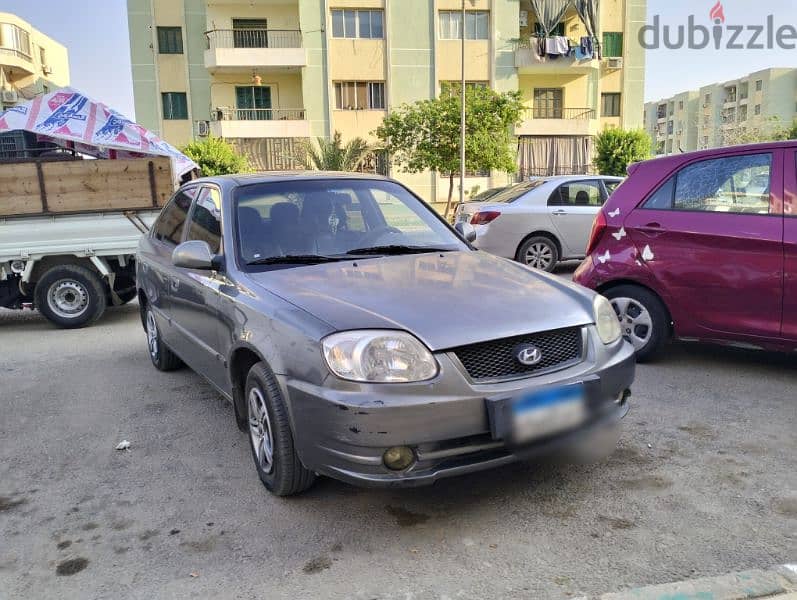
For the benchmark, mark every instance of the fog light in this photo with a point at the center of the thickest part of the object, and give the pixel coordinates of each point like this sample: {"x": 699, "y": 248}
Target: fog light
{"x": 398, "y": 458}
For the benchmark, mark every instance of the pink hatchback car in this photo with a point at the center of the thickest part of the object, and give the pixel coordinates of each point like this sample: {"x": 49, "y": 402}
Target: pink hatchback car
{"x": 702, "y": 246}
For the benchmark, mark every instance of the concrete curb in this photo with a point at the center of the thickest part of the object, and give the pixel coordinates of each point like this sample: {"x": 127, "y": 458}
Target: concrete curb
{"x": 779, "y": 582}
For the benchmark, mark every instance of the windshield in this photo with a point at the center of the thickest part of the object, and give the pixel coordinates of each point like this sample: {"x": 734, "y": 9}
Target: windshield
{"x": 320, "y": 220}
{"x": 513, "y": 192}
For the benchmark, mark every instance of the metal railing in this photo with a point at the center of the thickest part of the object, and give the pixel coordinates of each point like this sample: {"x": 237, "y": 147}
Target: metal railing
{"x": 253, "y": 38}
{"x": 546, "y": 112}
{"x": 17, "y": 53}
{"x": 524, "y": 174}
{"x": 258, "y": 114}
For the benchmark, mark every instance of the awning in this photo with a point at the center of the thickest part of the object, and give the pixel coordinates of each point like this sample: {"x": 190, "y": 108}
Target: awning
{"x": 69, "y": 118}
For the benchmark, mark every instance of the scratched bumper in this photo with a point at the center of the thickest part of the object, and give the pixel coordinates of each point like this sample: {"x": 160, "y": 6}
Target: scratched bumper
{"x": 342, "y": 429}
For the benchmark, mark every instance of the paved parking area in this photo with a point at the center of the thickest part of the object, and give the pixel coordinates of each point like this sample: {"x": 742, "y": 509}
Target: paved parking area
{"x": 703, "y": 483}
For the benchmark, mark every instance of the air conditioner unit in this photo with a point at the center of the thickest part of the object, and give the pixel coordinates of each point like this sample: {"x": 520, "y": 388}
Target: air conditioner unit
{"x": 203, "y": 128}
{"x": 614, "y": 63}
{"x": 9, "y": 96}
{"x": 47, "y": 69}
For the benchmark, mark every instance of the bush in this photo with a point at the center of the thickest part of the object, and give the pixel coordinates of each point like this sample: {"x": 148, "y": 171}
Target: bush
{"x": 216, "y": 156}
{"x": 618, "y": 148}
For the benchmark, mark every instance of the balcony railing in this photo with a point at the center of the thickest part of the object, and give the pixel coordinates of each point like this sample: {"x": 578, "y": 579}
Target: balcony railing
{"x": 253, "y": 38}
{"x": 258, "y": 114}
{"x": 576, "y": 114}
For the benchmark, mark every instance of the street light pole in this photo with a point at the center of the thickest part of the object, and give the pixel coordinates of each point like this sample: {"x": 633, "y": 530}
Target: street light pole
{"x": 462, "y": 114}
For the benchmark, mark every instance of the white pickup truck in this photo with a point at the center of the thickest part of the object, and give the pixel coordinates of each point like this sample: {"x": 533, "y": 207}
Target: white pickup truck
{"x": 69, "y": 232}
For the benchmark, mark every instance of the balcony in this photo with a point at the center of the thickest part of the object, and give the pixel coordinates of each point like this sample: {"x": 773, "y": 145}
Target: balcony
{"x": 259, "y": 123}
{"x": 527, "y": 61}
{"x": 558, "y": 121}
{"x": 15, "y": 50}
{"x": 241, "y": 49}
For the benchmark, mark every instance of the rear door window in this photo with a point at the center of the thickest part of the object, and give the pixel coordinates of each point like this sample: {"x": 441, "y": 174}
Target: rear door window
{"x": 171, "y": 222}
{"x": 734, "y": 184}
{"x": 577, "y": 193}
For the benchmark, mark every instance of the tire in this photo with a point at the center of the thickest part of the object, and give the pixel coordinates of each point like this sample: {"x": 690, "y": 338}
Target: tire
{"x": 539, "y": 252}
{"x": 270, "y": 436}
{"x": 70, "y": 296}
{"x": 644, "y": 319}
{"x": 159, "y": 353}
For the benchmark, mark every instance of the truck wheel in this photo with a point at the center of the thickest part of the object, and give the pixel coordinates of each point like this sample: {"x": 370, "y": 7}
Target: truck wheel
{"x": 270, "y": 436}
{"x": 70, "y": 296}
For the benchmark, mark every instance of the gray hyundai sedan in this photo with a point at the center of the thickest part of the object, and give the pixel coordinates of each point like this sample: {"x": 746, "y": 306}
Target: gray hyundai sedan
{"x": 358, "y": 336}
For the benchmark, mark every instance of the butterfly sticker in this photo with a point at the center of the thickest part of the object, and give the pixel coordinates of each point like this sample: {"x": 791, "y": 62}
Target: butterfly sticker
{"x": 647, "y": 253}
{"x": 605, "y": 258}
{"x": 614, "y": 213}
{"x": 620, "y": 234}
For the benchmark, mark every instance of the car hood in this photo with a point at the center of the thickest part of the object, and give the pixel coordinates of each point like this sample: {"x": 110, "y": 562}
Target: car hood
{"x": 445, "y": 299}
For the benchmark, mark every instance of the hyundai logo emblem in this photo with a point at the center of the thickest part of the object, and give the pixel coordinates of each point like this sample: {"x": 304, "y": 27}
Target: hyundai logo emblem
{"x": 528, "y": 354}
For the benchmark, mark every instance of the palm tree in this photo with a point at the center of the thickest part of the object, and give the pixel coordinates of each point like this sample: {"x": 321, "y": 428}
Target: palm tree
{"x": 333, "y": 155}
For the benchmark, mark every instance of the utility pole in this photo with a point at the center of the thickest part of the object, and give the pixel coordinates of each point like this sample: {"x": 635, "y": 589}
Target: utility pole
{"x": 462, "y": 115}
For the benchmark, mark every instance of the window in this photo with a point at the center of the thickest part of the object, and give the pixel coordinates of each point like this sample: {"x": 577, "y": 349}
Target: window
{"x": 757, "y": 109}
{"x": 205, "y": 222}
{"x": 680, "y": 105}
{"x": 175, "y": 105}
{"x": 250, "y": 33}
{"x": 452, "y": 88}
{"x": 253, "y": 102}
{"x": 559, "y": 30}
{"x": 744, "y": 90}
{"x": 548, "y": 103}
{"x": 359, "y": 95}
{"x": 351, "y": 23}
{"x": 735, "y": 184}
{"x": 577, "y": 193}
{"x": 707, "y": 99}
{"x": 670, "y": 128}
{"x": 610, "y": 105}
{"x": 612, "y": 44}
{"x": 15, "y": 38}
{"x": 759, "y": 85}
{"x": 171, "y": 222}
{"x": 170, "y": 40}
{"x": 477, "y": 24}
{"x": 611, "y": 185}
{"x": 743, "y": 112}
{"x": 42, "y": 56}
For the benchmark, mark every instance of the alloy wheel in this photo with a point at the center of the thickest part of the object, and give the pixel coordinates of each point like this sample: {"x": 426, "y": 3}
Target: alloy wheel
{"x": 260, "y": 430}
{"x": 635, "y": 321}
{"x": 152, "y": 335}
{"x": 540, "y": 256}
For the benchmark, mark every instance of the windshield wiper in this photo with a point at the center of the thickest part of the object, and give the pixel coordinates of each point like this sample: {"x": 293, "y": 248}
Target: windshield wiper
{"x": 397, "y": 249}
{"x": 298, "y": 259}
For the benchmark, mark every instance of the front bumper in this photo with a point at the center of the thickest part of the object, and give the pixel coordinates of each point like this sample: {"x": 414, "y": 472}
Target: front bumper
{"x": 342, "y": 432}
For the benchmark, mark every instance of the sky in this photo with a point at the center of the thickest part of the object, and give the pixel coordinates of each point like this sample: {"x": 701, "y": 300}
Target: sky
{"x": 95, "y": 33}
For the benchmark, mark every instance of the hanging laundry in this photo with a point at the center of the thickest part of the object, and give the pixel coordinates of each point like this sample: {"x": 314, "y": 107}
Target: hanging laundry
{"x": 557, "y": 46}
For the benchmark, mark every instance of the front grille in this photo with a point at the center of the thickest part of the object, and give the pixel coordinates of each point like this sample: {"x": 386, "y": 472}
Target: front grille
{"x": 496, "y": 360}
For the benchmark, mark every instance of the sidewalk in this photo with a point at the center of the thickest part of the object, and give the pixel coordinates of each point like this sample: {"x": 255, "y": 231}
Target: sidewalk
{"x": 777, "y": 583}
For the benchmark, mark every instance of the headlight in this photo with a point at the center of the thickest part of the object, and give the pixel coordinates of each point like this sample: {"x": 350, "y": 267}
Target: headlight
{"x": 378, "y": 357}
{"x": 606, "y": 321}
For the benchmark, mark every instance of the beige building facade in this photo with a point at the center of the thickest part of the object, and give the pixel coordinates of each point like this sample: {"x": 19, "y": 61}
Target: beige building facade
{"x": 268, "y": 73}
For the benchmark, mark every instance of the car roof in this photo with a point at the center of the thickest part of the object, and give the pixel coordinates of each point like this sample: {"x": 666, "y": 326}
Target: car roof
{"x": 717, "y": 152}
{"x": 563, "y": 178}
{"x": 276, "y": 176}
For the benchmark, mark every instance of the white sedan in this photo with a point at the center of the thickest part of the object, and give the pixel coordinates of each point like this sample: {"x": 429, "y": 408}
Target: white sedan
{"x": 539, "y": 222}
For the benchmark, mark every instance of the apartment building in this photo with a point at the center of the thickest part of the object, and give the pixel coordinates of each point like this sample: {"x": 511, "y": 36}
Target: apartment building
{"x": 721, "y": 114}
{"x": 268, "y": 73}
{"x": 30, "y": 62}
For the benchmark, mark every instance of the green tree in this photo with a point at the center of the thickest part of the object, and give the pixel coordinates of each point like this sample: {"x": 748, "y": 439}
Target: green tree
{"x": 615, "y": 149}
{"x": 425, "y": 135}
{"x": 791, "y": 132}
{"x": 334, "y": 155}
{"x": 216, "y": 156}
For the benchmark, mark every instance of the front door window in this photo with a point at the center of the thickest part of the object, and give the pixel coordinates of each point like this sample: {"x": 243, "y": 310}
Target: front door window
{"x": 249, "y": 33}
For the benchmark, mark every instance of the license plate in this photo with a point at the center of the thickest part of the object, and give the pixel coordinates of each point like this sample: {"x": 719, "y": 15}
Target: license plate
{"x": 463, "y": 217}
{"x": 547, "y": 412}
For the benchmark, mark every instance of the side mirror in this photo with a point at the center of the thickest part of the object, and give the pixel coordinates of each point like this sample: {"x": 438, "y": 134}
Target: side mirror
{"x": 466, "y": 231}
{"x": 193, "y": 255}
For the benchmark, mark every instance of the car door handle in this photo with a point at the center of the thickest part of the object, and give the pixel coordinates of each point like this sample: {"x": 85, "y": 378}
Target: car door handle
{"x": 652, "y": 225}
{"x": 652, "y": 229}
{"x": 559, "y": 212}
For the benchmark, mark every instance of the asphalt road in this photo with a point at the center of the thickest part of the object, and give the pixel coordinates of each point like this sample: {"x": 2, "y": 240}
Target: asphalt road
{"x": 703, "y": 483}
